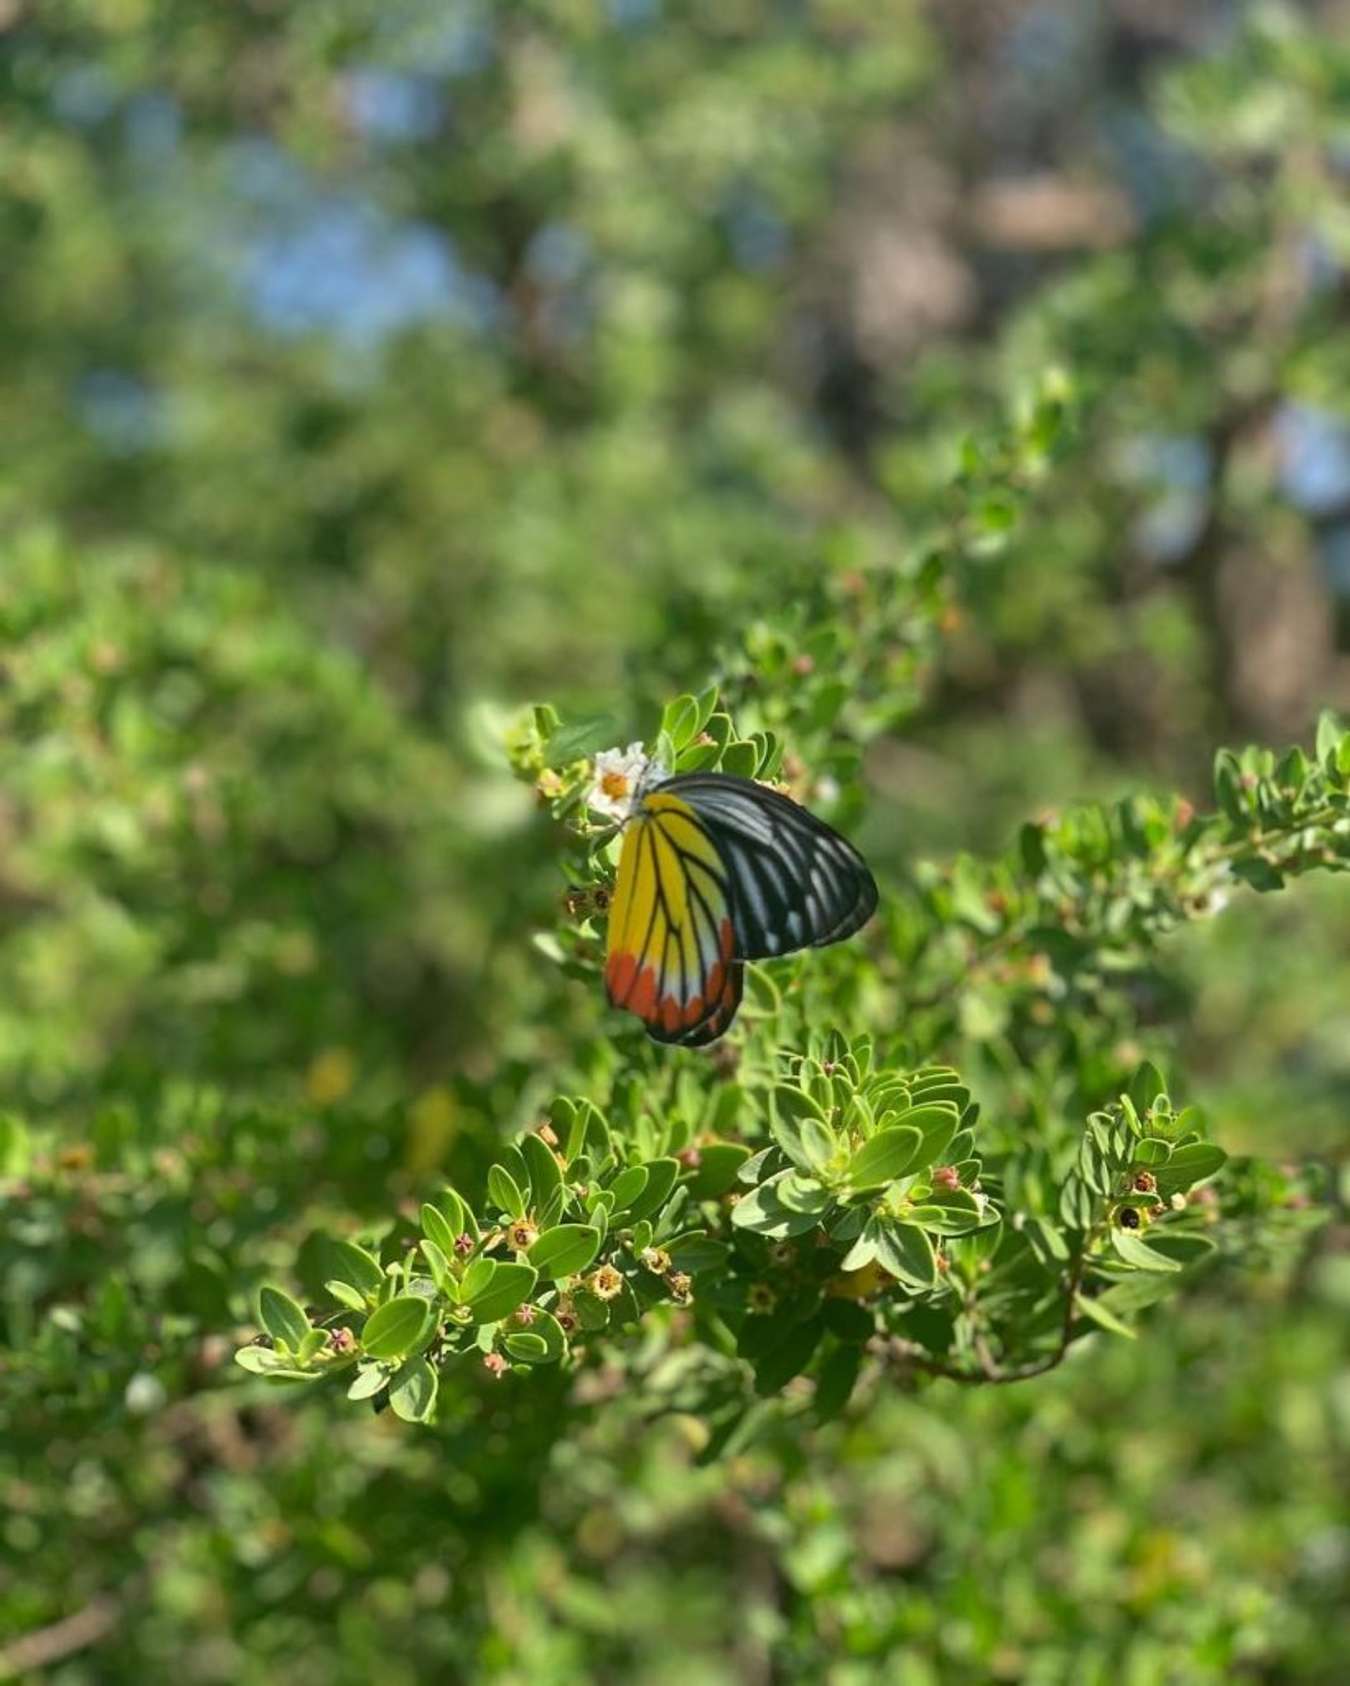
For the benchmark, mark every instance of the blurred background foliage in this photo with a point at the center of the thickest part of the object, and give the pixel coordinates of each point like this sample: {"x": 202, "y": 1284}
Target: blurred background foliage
{"x": 367, "y": 371}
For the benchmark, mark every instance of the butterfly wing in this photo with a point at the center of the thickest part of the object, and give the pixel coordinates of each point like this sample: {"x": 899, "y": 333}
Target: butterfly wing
{"x": 671, "y": 951}
{"x": 792, "y": 881}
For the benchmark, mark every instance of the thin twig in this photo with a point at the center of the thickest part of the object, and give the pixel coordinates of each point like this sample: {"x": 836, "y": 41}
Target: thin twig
{"x": 46, "y": 1645}
{"x": 991, "y": 1372}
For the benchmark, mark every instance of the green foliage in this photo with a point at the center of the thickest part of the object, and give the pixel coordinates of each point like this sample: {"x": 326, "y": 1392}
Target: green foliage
{"x": 854, "y": 1178}
{"x": 550, "y": 1342}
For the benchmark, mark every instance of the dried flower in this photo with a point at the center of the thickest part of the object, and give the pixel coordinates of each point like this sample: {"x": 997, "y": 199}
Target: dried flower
{"x": 522, "y": 1234}
{"x": 761, "y": 1297}
{"x": 547, "y": 1134}
{"x": 1144, "y": 1182}
{"x": 681, "y": 1286}
{"x": 1129, "y": 1217}
{"x": 657, "y": 1260}
{"x": 605, "y": 1283}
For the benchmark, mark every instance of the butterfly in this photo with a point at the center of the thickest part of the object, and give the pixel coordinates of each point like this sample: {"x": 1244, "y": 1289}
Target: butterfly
{"x": 714, "y": 871}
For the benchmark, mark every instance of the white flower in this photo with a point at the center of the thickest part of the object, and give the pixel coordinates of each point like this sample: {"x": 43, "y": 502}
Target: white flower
{"x": 621, "y": 775}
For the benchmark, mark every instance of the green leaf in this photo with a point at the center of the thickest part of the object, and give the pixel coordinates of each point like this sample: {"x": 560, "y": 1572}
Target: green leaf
{"x": 949, "y": 1211}
{"x": 312, "y": 1345}
{"x": 715, "y": 1173}
{"x": 680, "y": 721}
{"x": 698, "y": 1254}
{"x": 439, "y": 1266}
{"x": 789, "y": 1358}
{"x": 526, "y": 1346}
{"x": 1046, "y": 1242}
{"x": 1138, "y": 1253}
{"x": 283, "y": 1319}
{"x": 793, "y": 1104}
{"x": 438, "y": 1231}
{"x": 865, "y": 1249}
{"x": 262, "y": 1361}
{"x": 565, "y": 1251}
{"x": 763, "y": 1212}
{"x": 587, "y": 736}
{"x": 627, "y": 1187}
{"x": 257, "y": 1360}
{"x": 1077, "y": 1206}
{"x": 367, "y": 1382}
{"x": 1228, "y": 784}
{"x": 907, "y": 1253}
{"x": 545, "y": 1172}
{"x": 547, "y": 1328}
{"x": 504, "y": 1193}
{"x": 412, "y": 1392}
{"x": 802, "y": 1194}
{"x": 800, "y": 1131}
{"x": 1145, "y": 1086}
{"x": 740, "y": 759}
{"x": 394, "y": 1329}
{"x": 937, "y": 1123}
{"x": 510, "y": 1285}
{"x": 345, "y": 1294}
{"x": 1328, "y": 739}
{"x": 1189, "y": 1165}
{"x": 661, "y": 1177}
{"x": 478, "y": 1273}
{"x": 888, "y": 1155}
{"x": 1152, "y": 1150}
{"x": 836, "y": 1381}
{"x": 457, "y": 1214}
{"x": 1185, "y": 1246}
{"x": 1103, "y": 1316}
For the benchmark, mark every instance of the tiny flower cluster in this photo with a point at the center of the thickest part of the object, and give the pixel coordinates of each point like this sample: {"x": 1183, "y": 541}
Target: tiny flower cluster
{"x": 621, "y": 775}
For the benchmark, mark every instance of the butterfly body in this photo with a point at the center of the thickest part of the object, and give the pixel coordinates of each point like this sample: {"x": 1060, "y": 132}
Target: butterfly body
{"x": 715, "y": 871}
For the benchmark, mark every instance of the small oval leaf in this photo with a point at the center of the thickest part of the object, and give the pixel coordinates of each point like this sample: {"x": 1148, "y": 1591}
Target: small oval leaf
{"x": 565, "y": 1250}
{"x": 394, "y": 1329}
{"x": 887, "y": 1155}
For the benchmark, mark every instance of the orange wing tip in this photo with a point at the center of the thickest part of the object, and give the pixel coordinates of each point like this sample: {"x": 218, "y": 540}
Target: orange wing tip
{"x": 620, "y": 975}
{"x": 632, "y": 986}
{"x": 719, "y": 1020}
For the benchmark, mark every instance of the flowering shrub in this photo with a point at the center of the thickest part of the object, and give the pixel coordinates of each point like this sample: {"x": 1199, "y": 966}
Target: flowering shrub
{"x": 815, "y": 1196}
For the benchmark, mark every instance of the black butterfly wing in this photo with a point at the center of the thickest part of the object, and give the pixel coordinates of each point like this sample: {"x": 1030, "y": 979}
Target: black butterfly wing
{"x": 794, "y": 881}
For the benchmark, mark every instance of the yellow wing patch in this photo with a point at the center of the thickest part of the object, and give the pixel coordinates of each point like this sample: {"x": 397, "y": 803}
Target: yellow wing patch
{"x": 671, "y": 949}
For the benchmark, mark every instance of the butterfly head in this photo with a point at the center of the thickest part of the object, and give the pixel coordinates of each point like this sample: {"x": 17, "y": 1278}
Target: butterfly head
{"x": 622, "y": 777}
